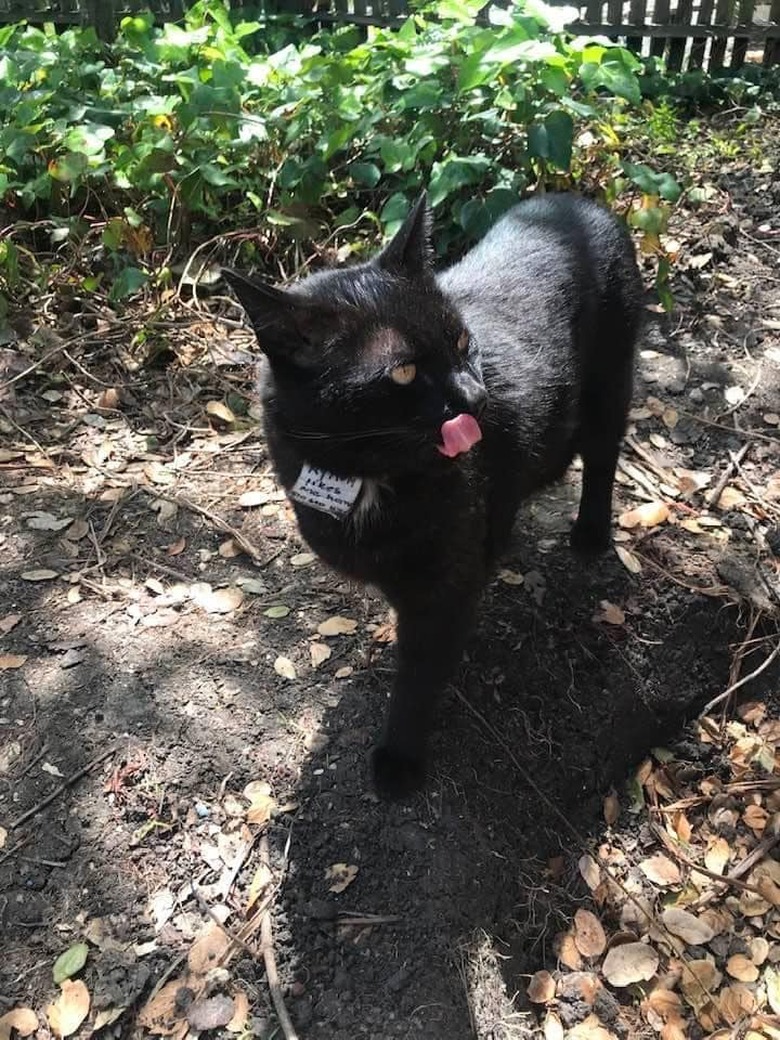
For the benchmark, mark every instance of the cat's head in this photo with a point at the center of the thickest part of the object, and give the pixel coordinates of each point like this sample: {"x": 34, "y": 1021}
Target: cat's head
{"x": 373, "y": 370}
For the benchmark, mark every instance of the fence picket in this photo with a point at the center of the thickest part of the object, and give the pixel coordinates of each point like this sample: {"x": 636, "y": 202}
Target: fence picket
{"x": 667, "y": 24}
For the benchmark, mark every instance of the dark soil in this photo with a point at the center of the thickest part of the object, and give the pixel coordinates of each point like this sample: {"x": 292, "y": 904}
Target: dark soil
{"x": 474, "y": 878}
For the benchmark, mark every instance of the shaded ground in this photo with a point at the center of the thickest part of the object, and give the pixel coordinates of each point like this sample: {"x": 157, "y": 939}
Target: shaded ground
{"x": 153, "y": 637}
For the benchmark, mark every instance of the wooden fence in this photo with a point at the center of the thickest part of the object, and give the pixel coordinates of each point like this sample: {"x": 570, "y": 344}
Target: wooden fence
{"x": 689, "y": 34}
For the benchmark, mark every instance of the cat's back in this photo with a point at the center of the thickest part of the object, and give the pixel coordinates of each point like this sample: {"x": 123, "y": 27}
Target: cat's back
{"x": 550, "y": 248}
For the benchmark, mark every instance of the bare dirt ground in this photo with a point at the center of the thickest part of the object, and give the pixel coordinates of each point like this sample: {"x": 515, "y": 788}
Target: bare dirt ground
{"x": 162, "y": 650}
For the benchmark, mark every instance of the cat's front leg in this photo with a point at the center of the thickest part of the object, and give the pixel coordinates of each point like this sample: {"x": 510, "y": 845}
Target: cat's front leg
{"x": 431, "y": 634}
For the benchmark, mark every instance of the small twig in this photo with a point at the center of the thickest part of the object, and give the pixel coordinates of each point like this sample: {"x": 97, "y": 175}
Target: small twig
{"x": 742, "y": 868}
{"x": 723, "y": 879}
{"x": 648, "y": 459}
{"x": 713, "y": 497}
{"x": 154, "y": 565}
{"x": 639, "y": 478}
{"x": 19, "y": 845}
{"x": 32, "y": 764}
{"x": 250, "y": 549}
{"x": 71, "y": 780}
{"x": 267, "y": 947}
{"x": 742, "y": 682}
{"x": 45, "y": 862}
{"x": 367, "y": 919}
{"x": 220, "y": 924}
{"x": 748, "y": 393}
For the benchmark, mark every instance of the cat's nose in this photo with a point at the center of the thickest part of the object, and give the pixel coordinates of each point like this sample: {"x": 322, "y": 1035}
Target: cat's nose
{"x": 467, "y": 394}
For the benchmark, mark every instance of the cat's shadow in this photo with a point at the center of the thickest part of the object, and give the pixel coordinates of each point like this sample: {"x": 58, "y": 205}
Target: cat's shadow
{"x": 554, "y": 704}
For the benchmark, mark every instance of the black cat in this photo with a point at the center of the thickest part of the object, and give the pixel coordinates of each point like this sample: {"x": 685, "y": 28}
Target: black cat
{"x": 408, "y": 413}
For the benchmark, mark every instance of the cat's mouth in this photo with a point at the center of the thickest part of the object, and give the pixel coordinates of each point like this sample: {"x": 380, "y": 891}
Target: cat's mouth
{"x": 459, "y": 435}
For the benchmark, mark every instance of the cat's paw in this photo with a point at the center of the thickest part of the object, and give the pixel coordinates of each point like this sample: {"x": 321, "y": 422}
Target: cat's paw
{"x": 396, "y": 775}
{"x": 589, "y": 539}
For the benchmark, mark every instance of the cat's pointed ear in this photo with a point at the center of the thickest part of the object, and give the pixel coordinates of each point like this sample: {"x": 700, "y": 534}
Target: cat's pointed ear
{"x": 285, "y": 323}
{"x": 410, "y": 251}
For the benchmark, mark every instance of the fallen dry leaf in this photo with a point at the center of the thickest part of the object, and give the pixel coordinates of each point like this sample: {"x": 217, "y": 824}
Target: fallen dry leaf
{"x": 107, "y": 1017}
{"x": 237, "y": 1023}
{"x": 717, "y": 855}
{"x": 302, "y": 559}
{"x": 568, "y": 954}
{"x": 756, "y": 817}
{"x": 320, "y": 652}
{"x": 22, "y": 1019}
{"x": 660, "y": 870}
{"x": 8, "y": 622}
{"x": 48, "y": 522}
{"x": 220, "y": 411}
{"x": 649, "y": 514}
{"x": 553, "y": 1027}
{"x": 509, "y": 577}
{"x": 228, "y": 549}
{"x": 629, "y": 963}
{"x": 610, "y": 614}
{"x": 10, "y": 661}
{"x": 41, "y": 574}
{"x": 262, "y": 802}
{"x": 590, "y": 871}
{"x": 259, "y": 885}
{"x": 735, "y": 1002}
{"x": 590, "y": 1029}
{"x": 758, "y": 949}
{"x": 3, "y": 837}
{"x": 541, "y": 988}
{"x": 629, "y": 561}
{"x": 731, "y": 498}
{"x": 249, "y": 499}
{"x": 687, "y": 926}
{"x": 341, "y": 876}
{"x": 700, "y": 979}
{"x": 70, "y": 1009}
{"x": 216, "y": 601}
{"x": 283, "y": 666}
{"x": 337, "y": 626}
{"x": 207, "y": 950}
{"x": 772, "y": 984}
{"x": 160, "y": 1015}
{"x": 589, "y": 936}
{"x": 177, "y": 547}
{"x": 611, "y": 808}
{"x": 740, "y": 967}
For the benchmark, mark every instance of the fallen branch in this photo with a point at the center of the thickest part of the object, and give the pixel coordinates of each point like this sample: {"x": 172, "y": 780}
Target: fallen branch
{"x": 742, "y": 868}
{"x": 742, "y": 682}
{"x": 723, "y": 879}
{"x": 71, "y": 780}
{"x": 712, "y": 497}
{"x": 248, "y": 547}
{"x": 267, "y": 947}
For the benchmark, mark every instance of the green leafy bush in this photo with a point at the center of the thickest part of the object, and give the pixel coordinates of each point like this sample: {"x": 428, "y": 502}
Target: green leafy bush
{"x": 175, "y": 133}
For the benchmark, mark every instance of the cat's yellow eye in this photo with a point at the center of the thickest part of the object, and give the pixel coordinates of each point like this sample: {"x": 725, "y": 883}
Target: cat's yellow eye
{"x": 463, "y": 341}
{"x": 403, "y": 375}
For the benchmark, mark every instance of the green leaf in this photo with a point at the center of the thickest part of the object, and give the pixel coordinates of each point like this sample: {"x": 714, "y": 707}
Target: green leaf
{"x": 394, "y": 213}
{"x": 70, "y": 962}
{"x": 454, "y": 173}
{"x": 652, "y": 183}
{"x": 365, "y": 173}
{"x": 69, "y": 167}
{"x": 129, "y": 281}
{"x": 552, "y": 140}
{"x": 278, "y": 611}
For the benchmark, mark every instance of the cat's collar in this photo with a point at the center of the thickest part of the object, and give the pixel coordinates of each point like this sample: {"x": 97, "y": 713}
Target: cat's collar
{"x": 339, "y": 497}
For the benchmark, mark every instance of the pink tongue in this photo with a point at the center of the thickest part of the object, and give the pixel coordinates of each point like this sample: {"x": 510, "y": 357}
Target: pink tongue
{"x": 459, "y": 434}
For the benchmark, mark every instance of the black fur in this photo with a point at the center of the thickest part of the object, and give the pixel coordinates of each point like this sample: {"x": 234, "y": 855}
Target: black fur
{"x": 551, "y": 299}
